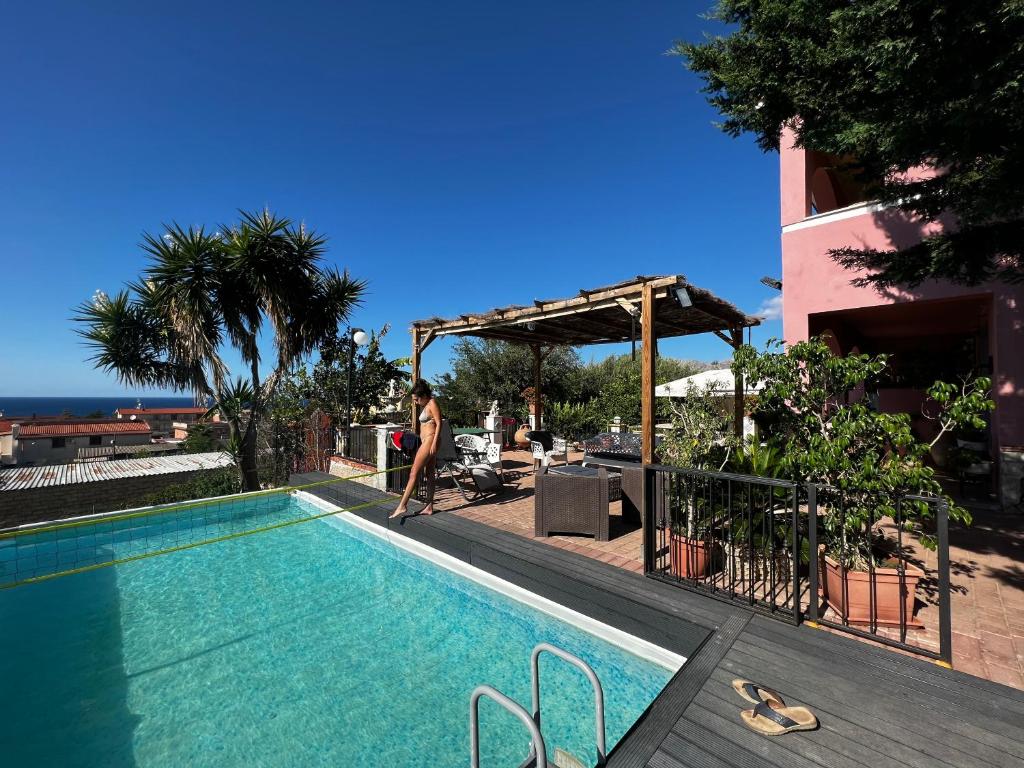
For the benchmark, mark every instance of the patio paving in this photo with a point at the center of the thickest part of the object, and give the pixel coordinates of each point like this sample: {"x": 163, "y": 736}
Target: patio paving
{"x": 513, "y": 511}
{"x": 987, "y": 570}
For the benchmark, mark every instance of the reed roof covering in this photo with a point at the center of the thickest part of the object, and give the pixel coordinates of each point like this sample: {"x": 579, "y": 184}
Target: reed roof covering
{"x": 599, "y": 315}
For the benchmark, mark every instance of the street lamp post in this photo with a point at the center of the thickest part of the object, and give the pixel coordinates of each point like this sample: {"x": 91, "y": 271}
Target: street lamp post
{"x": 356, "y": 336}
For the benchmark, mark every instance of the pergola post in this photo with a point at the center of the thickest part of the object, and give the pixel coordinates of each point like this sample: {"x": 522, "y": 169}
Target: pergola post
{"x": 737, "y": 403}
{"x": 647, "y": 362}
{"x": 415, "y": 375}
{"x": 538, "y": 398}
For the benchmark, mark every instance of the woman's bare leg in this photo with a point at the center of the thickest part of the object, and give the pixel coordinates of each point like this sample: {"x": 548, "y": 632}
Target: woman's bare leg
{"x": 417, "y": 466}
{"x": 431, "y": 470}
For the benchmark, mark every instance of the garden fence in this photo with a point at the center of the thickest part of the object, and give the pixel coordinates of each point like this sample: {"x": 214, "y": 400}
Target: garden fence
{"x": 362, "y": 445}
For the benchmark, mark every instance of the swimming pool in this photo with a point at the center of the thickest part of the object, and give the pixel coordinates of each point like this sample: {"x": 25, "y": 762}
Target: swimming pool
{"x": 315, "y": 644}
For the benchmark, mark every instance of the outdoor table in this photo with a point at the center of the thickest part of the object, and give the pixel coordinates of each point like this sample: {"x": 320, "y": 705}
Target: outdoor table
{"x": 614, "y": 478}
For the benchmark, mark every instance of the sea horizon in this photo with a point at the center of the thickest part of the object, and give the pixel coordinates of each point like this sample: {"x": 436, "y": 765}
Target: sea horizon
{"x": 28, "y": 407}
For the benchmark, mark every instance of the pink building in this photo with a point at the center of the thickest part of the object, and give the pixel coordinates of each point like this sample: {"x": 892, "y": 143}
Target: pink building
{"x": 937, "y": 330}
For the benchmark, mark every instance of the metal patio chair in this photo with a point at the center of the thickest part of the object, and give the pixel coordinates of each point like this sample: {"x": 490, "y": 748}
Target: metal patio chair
{"x": 461, "y": 466}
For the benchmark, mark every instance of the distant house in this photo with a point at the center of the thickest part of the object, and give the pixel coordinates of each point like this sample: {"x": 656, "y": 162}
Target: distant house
{"x": 162, "y": 420}
{"x": 218, "y": 430}
{"x": 53, "y": 440}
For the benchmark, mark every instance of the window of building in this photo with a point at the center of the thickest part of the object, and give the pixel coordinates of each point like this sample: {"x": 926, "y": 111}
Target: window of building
{"x": 95, "y": 440}
{"x": 834, "y": 183}
{"x": 57, "y": 442}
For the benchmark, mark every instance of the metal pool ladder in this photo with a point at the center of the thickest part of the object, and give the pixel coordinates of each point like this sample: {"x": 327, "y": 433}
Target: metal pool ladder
{"x": 538, "y": 750}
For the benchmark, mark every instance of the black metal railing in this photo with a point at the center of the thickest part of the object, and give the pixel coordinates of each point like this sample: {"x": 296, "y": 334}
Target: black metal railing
{"x": 362, "y": 445}
{"x": 805, "y": 553}
{"x": 871, "y": 573}
{"x": 398, "y": 478}
{"x": 735, "y": 537}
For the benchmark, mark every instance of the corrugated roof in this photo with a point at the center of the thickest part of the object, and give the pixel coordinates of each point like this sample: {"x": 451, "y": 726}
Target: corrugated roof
{"x": 71, "y": 428}
{"x": 159, "y": 411}
{"x": 20, "y": 478}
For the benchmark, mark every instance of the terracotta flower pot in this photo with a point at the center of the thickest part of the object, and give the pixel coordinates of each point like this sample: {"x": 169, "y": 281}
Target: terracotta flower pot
{"x": 688, "y": 558}
{"x": 850, "y": 594}
{"x": 520, "y": 437}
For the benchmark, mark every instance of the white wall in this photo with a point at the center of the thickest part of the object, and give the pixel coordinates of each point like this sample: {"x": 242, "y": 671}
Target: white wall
{"x": 39, "y": 450}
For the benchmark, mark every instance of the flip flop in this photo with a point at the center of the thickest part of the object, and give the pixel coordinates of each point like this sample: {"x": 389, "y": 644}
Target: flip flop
{"x": 756, "y": 694}
{"x": 776, "y": 722}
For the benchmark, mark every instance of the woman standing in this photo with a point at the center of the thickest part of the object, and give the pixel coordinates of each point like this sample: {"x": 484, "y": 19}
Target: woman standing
{"x": 425, "y": 461}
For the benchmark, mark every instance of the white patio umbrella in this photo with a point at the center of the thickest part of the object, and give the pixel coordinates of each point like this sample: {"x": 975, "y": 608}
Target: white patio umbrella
{"x": 720, "y": 379}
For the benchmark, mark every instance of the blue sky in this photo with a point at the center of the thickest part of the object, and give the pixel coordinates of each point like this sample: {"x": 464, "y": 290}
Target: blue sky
{"x": 460, "y": 155}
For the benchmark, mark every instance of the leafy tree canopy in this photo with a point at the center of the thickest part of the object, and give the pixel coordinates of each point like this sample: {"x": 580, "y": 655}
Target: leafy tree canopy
{"x": 615, "y": 384}
{"x": 200, "y": 439}
{"x": 891, "y": 86}
{"x": 373, "y": 376}
{"x": 484, "y": 370}
{"x": 203, "y": 292}
{"x": 858, "y": 454}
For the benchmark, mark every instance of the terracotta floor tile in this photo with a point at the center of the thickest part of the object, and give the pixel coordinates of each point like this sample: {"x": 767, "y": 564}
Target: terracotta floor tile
{"x": 974, "y": 666}
{"x": 998, "y": 649}
{"x": 1005, "y": 675}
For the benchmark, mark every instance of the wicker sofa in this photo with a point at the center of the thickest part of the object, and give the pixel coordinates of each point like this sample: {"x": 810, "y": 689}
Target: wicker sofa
{"x": 614, "y": 450}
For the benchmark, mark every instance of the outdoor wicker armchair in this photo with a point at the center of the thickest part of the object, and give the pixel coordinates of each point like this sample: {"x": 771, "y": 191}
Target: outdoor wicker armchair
{"x": 572, "y": 503}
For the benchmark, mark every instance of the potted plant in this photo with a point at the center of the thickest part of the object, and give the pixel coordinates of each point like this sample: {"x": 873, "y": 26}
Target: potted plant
{"x": 759, "y": 547}
{"x": 700, "y": 437}
{"x": 864, "y": 463}
{"x": 690, "y": 552}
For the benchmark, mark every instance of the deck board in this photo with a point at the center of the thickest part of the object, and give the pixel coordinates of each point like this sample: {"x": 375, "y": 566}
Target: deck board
{"x": 892, "y": 694}
{"x": 876, "y": 707}
{"x": 912, "y": 669}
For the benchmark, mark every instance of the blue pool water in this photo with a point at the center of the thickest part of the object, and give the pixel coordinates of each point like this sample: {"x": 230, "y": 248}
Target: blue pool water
{"x": 314, "y": 644}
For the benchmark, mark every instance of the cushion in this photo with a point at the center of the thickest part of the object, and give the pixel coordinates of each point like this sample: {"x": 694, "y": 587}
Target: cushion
{"x": 543, "y": 437}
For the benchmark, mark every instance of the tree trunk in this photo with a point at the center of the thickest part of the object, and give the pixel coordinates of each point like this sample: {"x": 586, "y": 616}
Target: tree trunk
{"x": 244, "y": 440}
{"x": 247, "y": 461}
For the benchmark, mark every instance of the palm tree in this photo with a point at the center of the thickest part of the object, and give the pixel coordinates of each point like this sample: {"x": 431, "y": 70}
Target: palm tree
{"x": 203, "y": 292}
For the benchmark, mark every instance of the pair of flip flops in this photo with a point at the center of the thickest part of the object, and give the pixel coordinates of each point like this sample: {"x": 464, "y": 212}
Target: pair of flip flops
{"x": 770, "y": 715}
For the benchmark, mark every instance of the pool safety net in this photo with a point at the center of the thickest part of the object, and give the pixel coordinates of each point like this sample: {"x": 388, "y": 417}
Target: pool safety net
{"x": 39, "y": 553}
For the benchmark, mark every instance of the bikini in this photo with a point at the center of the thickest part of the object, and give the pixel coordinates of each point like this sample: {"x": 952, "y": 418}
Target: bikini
{"x": 426, "y": 418}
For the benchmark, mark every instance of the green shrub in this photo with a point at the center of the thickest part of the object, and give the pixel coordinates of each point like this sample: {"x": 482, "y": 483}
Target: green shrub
{"x": 701, "y": 435}
{"x": 220, "y": 482}
{"x": 573, "y": 421}
{"x": 200, "y": 439}
{"x": 865, "y": 460}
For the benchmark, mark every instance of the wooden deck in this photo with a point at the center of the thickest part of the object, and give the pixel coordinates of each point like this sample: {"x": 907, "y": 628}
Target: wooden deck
{"x": 875, "y": 707}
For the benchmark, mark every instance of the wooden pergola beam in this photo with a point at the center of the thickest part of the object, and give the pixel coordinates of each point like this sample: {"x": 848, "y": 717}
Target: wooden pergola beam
{"x": 416, "y": 349}
{"x": 647, "y": 362}
{"x": 629, "y": 306}
{"x": 553, "y": 309}
{"x": 427, "y": 339}
{"x": 612, "y": 330}
{"x": 736, "y": 340}
{"x": 538, "y": 398}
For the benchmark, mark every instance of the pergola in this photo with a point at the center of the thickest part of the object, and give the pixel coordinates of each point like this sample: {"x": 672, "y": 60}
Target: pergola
{"x": 665, "y": 306}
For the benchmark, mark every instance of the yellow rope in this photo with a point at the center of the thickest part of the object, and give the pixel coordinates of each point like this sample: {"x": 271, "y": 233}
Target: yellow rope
{"x": 227, "y": 537}
{"x": 162, "y": 510}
